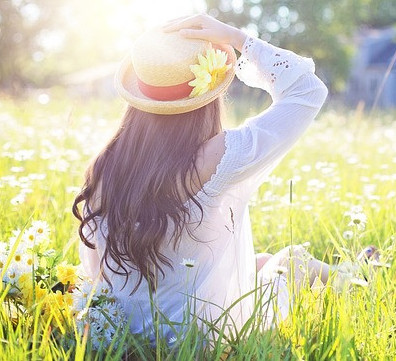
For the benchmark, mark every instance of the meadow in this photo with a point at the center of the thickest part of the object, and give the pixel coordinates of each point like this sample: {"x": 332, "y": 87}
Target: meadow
{"x": 346, "y": 161}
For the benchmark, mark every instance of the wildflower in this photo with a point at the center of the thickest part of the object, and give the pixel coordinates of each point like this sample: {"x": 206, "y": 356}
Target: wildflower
{"x": 358, "y": 218}
{"x": 210, "y": 71}
{"x": 71, "y": 189}
{"x": 348, "y": 235}
{"x": 302, "y": 268}
{"x": 31, "y": 291}
{"x": 104, "y": 320}
{"x": 280, "y": 270}
{"x": 18, "y": 199}
{"x": 41, "y": 229}
{"x": 3, "y": 260}
{"x": 23, "y": 154}
{"x": 188, "y": 262}
{"x": 37, "y": 176}
{"x": 376, "y": 263}
{"x": 3, "y": 248}
{"x": 66, "y": 273}
{"x": 25, "y": 281}
{"x": 358, "y": 282}
{"x": 28, "y": 260}
{"x": 61, "y": 165}
{"x": 29, "y": 236}
{"x": 81, "y": 295}
{"x": 103, "y": 289}
{"x": 58, "y": 304}
{"x": 12, "y": 274}
{"x": 172, "y": 340}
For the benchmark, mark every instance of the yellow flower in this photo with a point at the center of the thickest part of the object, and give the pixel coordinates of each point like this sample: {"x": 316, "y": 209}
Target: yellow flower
{"x": 66, "y": 273}
{"x": 210, "y": 71}
{"x": 58, "y": 305}
{"x": 25, "y": 281}
{"x": 31, "y": 291}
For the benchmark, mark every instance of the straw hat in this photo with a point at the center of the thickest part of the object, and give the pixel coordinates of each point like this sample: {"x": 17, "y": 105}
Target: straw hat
{"x": 155, "y": 76}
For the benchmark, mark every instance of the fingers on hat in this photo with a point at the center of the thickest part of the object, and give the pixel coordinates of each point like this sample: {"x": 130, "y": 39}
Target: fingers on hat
{"x": 195, "y": 21}
{"x": 171, "y": 22}
{"x": 195, "y": 33}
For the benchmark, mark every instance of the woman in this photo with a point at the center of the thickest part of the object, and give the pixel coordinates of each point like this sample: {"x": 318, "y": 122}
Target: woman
{"x": 166, "y": 220}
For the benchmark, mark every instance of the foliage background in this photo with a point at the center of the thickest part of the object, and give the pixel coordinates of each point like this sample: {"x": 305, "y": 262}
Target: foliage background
{"x": 42, "y": 40}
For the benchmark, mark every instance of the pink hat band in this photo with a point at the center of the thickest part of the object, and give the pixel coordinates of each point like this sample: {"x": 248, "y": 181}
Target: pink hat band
{"x": 165, "y": 93}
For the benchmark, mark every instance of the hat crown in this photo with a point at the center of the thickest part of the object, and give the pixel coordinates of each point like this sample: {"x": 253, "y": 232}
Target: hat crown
{"x": 164, "y": 59}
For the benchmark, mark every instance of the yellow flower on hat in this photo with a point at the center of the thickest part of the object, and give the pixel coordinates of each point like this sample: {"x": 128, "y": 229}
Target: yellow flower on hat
{"x": 210, "y": 71}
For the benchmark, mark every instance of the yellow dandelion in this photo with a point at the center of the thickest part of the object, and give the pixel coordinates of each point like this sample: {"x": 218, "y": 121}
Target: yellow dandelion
{"x": 25, "y": 281}
{"x": 210, "y": 71}
{"x": 40, "y": 293}
{"x": 58, "y": 305}
{"x": 31, "y": 291}
{"x": 66, "y": 273}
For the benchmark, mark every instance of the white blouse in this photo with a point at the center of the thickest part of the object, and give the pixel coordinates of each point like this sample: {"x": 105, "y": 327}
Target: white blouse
{"x": 223, "y": 260}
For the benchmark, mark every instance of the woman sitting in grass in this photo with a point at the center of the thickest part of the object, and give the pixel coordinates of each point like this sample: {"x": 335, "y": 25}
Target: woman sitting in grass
{"x": 165, "y": 218}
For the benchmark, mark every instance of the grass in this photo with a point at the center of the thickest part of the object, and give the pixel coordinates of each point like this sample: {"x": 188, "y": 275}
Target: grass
{"x": 345, "y": 159}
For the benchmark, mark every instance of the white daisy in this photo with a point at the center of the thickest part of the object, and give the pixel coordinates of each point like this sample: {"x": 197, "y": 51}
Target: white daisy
{"x": 172, "y": 339}
{"x": 280, "y": 270}
{"x": 38, "y": 233}
{"x": 103, "y": 289}
{"x": 188, "y": 262}
{"x": 358, "y": 282}
{"x": 37, "y": 176}
{"x": 81, "y": 295}
{"x": 18, "y": 199}
{"x": 102, "y": 320}
{"x": 376, "y": 263}
{"x": 3, "y": 260}
{"x": 3, "y": 248}
{"x": 348, "y": 235}
{"x": 13, "y": 272}
{"x": 358, "y": 218}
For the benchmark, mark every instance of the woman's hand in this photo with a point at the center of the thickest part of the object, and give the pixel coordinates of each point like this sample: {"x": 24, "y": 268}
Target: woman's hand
{"x": 207, "y": 28}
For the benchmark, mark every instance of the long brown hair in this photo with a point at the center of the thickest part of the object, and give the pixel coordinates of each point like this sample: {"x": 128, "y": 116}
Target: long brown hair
{"x": 140, "y": 181}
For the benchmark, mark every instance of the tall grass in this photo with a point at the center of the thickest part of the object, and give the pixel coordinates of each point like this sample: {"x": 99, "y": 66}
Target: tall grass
{"x": 345, "y": 159}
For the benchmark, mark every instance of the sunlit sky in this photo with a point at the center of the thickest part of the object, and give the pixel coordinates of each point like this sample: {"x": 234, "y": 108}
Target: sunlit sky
{"x": 126, "y": 18}
{"x": 155, "y": 11}
{"x": 141, "y": 14}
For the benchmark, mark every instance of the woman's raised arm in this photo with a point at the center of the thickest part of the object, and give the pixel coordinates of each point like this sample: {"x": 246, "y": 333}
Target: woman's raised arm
{"x": 207, "y": 28}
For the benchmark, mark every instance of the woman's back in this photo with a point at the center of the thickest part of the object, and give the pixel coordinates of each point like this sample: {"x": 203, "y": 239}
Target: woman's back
{"x": 202, "y": 257}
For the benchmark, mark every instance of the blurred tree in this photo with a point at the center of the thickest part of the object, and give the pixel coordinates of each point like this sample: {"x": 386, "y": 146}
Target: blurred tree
{"x": 375, "y": 13}
{"x": 322, "y": 29}
{"x": 42, "y": 40}
{"x": 25, "y": 29}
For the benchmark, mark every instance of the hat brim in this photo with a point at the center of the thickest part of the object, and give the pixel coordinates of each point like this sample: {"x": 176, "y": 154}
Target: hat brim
{"x": 126, "y": 84}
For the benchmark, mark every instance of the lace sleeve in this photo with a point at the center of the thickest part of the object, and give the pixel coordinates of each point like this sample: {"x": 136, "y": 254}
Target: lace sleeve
{"x": 256, "y": 146}
{"x": 273, "y": 69}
